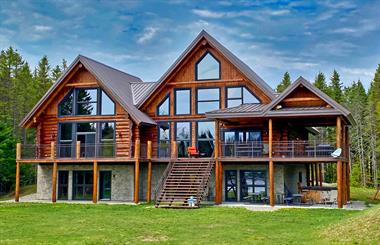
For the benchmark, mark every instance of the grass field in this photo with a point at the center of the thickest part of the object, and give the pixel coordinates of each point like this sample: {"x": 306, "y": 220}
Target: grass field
{"x": 128, "y": 224}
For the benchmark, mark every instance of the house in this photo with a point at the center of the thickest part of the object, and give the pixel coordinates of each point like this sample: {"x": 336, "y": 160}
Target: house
{"x": 103, "y": 134}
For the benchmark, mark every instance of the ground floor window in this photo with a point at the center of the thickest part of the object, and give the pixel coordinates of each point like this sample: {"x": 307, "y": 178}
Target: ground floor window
{"x": 231, "y": 185}
{"x": 63, "y": 185}
{"x": 105, "y": 185}
{"x": 82, "y": 185}
{"x": 252, "y": 184}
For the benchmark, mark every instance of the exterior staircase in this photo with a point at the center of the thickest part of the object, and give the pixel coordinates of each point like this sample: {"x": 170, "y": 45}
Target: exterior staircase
{"x": 182, "y": 179}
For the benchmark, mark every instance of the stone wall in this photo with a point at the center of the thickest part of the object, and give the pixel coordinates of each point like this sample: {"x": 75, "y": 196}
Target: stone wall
{"x": 121, "y": 185}
{"x": 291, "y": 175}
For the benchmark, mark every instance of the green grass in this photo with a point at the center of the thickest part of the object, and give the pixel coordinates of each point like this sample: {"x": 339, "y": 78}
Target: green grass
{"x": 364, "y": 194}
{"x": 24, "y": 190}
{"x": 26, "y": 223}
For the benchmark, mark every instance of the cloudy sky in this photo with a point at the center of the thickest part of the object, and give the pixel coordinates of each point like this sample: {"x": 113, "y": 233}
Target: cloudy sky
{"x": 144, "y": 38}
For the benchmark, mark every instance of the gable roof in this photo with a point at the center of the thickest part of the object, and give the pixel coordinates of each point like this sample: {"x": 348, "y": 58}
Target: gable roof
{"x": 245, "y": 69}
{"x": 115, "y": 82}
{"x": 140, "y": 90}
{"x": 336, "y": 107}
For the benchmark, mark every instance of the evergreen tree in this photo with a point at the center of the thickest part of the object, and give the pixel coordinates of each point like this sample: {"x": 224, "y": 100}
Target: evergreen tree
{"x": 336, "y": 87}
{"x": 320, "y": 82}
{"x": 56, "y": 73}
{"x": 7, "y": 158}
{"x": 42, "y": 76}
{"x": 284, "y": 83}
{"x": 64, "y": 65}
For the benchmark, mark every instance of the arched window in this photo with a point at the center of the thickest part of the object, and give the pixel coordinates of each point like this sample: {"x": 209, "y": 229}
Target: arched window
{"x": 207, "y": 68}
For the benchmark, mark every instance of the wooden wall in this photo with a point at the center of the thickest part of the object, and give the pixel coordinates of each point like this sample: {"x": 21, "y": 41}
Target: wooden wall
{"x": 47, "y": 121}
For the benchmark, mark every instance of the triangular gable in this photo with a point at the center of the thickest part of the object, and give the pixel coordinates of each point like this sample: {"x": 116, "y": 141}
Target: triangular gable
{"x": 312, "y": 93}
{"x": 116, "y": 83}
{"x": 240, "y": 65}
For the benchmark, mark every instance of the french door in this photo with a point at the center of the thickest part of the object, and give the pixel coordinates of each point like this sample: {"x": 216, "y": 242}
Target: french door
{"x": 82, "y": 185}
{"x": 105, "y": 185}
{"x": 252, "y": 183}
{"x": 231, "y": 185}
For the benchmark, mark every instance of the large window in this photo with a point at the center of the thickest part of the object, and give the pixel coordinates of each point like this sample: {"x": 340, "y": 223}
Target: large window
{"x": 207, "y": 68}
{"x": 205, "y": 138}
{"x": 63, "y": 184}
{"x": 163, "y": 139}
{"x": 182, "y": 101}
{"x": 82, "y": 102}
{"x": 163, "y": 108}
{"x": 242, "y": 142}
{"x": 82, "y": 185}
{"x": 252, "y": 183}
{"x": 107, "y": 139}
{"x": 65, "y": 148}
{"x": 208, "y": 99}
{"x": 239, "y": 95}
{"x": 183, "y": 137}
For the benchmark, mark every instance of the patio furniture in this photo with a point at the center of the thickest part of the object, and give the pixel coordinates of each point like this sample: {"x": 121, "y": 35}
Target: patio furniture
{"x": 337, "y": 153}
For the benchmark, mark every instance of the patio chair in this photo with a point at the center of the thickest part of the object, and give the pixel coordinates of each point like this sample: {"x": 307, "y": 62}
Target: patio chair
{"x": 192, "y": 151}
{"x": 337, "y": 153}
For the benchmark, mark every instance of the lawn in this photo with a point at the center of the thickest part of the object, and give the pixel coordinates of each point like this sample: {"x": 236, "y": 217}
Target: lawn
{"x": 140, "y": 224}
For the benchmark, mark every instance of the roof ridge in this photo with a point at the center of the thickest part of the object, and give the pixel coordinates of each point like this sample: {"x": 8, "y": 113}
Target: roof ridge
{"x": 108, "y": 66}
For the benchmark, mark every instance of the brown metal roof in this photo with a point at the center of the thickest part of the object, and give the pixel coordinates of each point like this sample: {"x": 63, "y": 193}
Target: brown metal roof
{"x": 140, "y": 91}
{"x": 244, "y": 68}
{"x": 115, "y": 82}
{"x": 245, "y": 108}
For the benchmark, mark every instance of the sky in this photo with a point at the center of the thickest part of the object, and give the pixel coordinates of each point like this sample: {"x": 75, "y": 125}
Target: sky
{"x": 144, "y": 38}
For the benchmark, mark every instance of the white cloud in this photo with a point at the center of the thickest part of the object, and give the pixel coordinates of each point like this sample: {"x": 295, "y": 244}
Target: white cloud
{"x": 208, "y": 13}
{"x": 42, "y": 28}
{"x": 148, "y": 34}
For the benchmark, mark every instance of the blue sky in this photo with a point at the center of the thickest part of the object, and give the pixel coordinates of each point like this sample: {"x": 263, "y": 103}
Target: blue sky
{"x": 144, "y": 38}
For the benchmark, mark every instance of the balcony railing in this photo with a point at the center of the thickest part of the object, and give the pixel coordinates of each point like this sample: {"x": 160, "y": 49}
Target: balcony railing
{"x": 282, "y": 149}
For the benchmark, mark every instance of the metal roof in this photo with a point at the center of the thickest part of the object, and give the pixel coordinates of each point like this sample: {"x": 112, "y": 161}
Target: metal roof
{"x": 245, "y": 69}
{"x": 140, "y": 90}
{"x": 245, "y": 108}
{"x": 115, "y": 82}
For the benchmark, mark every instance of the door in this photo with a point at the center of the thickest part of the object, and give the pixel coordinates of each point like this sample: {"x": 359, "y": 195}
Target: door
{"x": 82, "y": 185}
{"x": 252, "y": 184}
{"x": 230, "y": 185}
{"x": 87, "y": 144}
{"x": 105, "y": 185}
{"x": 63, "y": 181}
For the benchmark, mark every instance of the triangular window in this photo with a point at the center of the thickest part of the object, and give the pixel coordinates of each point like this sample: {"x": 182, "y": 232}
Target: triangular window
{"x": 207, "y": 68}
{"x": 163, "y": 108}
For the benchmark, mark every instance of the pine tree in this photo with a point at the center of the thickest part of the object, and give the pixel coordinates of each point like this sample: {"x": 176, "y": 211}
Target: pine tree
{"x": 336, "y": 87}
{"x": 320, "y": 82}
{"x": 284, "y": 83}
{"x": 56, "y": 73}
{"x": 42, "y": 76}
{"x": 64, "y": 65}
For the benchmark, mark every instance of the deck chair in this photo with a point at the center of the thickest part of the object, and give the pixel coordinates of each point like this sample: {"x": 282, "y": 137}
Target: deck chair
{"x": 337, "y": 153}
{"x": 192, "y": 151}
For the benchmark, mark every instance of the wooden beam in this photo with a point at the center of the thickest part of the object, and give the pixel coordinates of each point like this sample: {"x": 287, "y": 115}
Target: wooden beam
{"x": 320, "y": 174}
{"x": 220, "y": 182}
{"x": 174, "y": 154}
{"x": 77, "y": 149}
{"x": 18, "y": 151}
{"x": 95, "y": 183}
{"x": 339, "y": 168}
{"x": 348, "y": 182}
{"x": 17, "y": 190}
{"x": 137, "y": 171}
{"x": 52, "y": 150}
{"x": 271, "y": 165}
{"x": 312, "y": 174}
{"x": 149, "y": 157}
{"x": 54, "y": 183}
{"x": 209, "y": 82}
{"x": 306, "y": 99}
{"x": 82, "y": 85}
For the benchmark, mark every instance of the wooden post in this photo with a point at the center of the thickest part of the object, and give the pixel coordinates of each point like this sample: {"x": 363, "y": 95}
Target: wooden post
{"x": 316, "y": 174}
{"x": 17, "y": 191}
{"x": 52, "y": 150}
{"x": 54, "y": 183}
{"x": 218, "y": 185}
{"x": 174, "y": 154}
{"x": 149, "y": 157}
{"x": 220, "y": 182}
{"x": 95, "y": 183}
{"x": 339, "y": 168}
{"x": 307, "y": 174}
{"x": 320, "y": 174}
{"x": 312, "y": 174}
{"x": 137, "y": 170}
{"x": 78, "y": 149}
{"x": 348, "y": 182}
{"x": 271, "y": 165}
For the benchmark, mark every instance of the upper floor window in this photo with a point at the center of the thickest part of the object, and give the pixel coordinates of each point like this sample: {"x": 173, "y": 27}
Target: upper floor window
{"x": 182, "y": 101}
{"x": 240, "y": 95}
{"x": 163, "y": 108}
{"x": 207, "y": 68}
{"x": 82, "y": 101}
{"x": 208, "y": 99}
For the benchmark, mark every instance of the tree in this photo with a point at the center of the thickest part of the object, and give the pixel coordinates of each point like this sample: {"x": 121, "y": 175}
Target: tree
{"x": 56, "y": 73}
{"x": 42, "y": 76}
{"x": 336, "y": 87}
{"x": 7, "y": 158}
{"x": 284, "y": 83}
{"x": 320, "y": 82}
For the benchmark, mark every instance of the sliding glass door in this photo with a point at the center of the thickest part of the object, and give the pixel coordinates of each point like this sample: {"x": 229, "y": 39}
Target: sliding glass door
{"x": 82, "y": 185}
{"x": 252, "y": 183}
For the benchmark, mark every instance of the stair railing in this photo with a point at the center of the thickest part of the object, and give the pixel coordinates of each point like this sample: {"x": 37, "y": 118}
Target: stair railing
{"x": 162, "y": 180}
{"x": 204, "y": 180}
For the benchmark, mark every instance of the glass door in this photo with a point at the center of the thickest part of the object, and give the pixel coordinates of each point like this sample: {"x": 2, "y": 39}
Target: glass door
{"x": 86, "y": 134}
{"x": 105, "y": 185}
{"x": 63, "y": 181}
{"x": 82, "y": 185}
{"x": 252, "y": 185}
{"x": 231, "y": 185}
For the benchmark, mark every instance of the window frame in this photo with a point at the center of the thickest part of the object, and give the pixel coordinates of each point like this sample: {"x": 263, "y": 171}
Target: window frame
{"x": 175, "y": 101}
{"x": 199, "y": 61}
{"x": 196, "y": 133}
{"x": 241, "y": 93}
{"x": 161, "y": 103}
{"x": 99, "y": 100}
{"x": 196, "y": 98}
{"x": 159, "y": 140}
{"x": 190, "y": 134}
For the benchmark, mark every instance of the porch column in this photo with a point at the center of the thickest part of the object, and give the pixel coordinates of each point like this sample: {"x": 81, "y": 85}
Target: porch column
{"x": 348, "y": 167}
{"x": 307, "y": 174}
{"x": 339, "y": 168}
{"x": 137, "y": 171}
{"x": 320, "y": 174}
{"x": 17, "y": 187}
{"x": 95, "y": 183}
{"x": 312, "y": 174}
{"x": 218, "y": 185}
{"x": 54, "y": 183}
{"x": 348, "y": 181}
{"x": 149, "y": 185}
{"x": 271, "y": 166}
{"x": 316, "y": 174}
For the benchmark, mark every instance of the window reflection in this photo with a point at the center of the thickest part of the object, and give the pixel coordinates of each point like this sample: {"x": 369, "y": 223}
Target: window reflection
{"x": 208, "y": 68}
{"x": 182, "y": 101}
